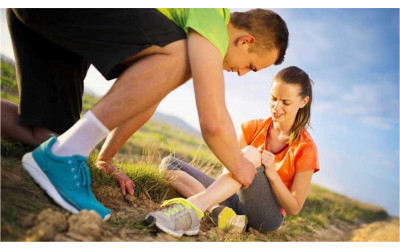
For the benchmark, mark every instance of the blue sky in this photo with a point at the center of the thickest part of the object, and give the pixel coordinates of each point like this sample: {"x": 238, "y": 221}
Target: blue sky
{"x": 353, "y": 57}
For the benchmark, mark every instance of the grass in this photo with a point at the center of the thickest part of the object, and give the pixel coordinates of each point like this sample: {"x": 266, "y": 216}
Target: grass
{"x": 139, "y": 159}
{"x": 12, "y": 148}
{"x": 148, "y": 180}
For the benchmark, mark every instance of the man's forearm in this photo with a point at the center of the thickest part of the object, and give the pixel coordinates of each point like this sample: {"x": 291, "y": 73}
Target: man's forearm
{"x": 222, "y": 142}
{"x": 116, "y": 139}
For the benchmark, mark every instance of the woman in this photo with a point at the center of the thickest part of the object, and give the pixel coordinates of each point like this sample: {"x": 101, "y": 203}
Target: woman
{"x": 279, "y": 147}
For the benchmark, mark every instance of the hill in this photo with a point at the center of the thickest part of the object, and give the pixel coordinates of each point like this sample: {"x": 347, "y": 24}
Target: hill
{"x": 28, "y": 214}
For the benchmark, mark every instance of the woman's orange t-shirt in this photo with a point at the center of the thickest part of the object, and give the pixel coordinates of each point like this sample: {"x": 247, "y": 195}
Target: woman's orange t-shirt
{"x": 301, "y": 155}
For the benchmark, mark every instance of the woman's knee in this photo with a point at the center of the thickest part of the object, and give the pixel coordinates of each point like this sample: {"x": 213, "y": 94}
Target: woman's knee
{"x": 171, "y": 163}
{"x": 166, "y": 163}
{"x": 251, "y": 153}
{"x": 267, "y": 225}
{"x": 169, "y": 168}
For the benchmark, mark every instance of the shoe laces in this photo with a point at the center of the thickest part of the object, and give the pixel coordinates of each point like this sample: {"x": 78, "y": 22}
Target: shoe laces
{"x": 178, "y": 205}
{"x": 83, "y": 175}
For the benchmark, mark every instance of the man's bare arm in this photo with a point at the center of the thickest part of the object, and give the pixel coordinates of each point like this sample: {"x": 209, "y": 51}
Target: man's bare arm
{"x": 215, "y": 122}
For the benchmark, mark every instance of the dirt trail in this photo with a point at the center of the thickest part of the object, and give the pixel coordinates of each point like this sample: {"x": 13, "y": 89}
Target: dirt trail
{"x": 387, "y": 230}
{"x": 28, "y": 214}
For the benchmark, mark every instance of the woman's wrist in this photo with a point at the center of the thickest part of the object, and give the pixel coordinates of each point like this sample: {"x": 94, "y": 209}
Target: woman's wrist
{"x": 272, "y": 177}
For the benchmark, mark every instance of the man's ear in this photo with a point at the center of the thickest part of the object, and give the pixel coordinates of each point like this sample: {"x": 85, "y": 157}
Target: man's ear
{"x": 304, "y": 102}
{"x": 245, "y": 39}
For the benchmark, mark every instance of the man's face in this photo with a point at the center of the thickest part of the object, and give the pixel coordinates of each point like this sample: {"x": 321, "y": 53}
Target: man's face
{"x": 238, "y": 59}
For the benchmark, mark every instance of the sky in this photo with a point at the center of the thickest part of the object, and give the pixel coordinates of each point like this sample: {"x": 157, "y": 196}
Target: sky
{"x": 352, "y": 55}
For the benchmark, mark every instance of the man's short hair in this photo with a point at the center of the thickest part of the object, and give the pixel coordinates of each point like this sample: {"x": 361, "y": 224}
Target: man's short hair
{"x": 268, "y": 28}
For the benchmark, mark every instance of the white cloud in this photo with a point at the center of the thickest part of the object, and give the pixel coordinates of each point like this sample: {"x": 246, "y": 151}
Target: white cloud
{"x": 380, "y": 122}
{"x": 374, "y": 104}
{"x": 385, "y": 159}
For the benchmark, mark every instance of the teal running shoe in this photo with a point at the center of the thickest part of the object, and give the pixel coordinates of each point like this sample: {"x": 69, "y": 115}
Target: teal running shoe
{"x": 65, "y": 179}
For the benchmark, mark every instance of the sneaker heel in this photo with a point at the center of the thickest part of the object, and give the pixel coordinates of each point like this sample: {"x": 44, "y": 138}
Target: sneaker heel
{"x": 150, "y": 221}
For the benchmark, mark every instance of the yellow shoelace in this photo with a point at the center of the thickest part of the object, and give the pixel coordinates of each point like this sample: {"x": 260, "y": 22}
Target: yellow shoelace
{"x": 180, "y": 204}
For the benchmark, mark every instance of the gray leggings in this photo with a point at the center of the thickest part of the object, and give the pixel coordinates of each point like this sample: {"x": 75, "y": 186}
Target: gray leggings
{"x": 257, "y": 202}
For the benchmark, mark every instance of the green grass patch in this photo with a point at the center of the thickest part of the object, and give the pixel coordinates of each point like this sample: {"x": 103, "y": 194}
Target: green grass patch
{"x": 13, "y": 148}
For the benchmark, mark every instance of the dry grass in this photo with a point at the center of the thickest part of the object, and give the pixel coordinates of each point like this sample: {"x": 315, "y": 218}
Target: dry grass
{"x": 22, "y": 201}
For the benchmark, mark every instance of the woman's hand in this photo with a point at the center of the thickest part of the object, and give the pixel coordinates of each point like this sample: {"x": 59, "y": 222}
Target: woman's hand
{"x": 126, "y": 184}
{"x": 268, "y": 160}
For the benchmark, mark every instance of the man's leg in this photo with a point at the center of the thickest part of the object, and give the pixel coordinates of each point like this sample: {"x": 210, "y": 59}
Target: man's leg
{"x": 59, "y": 164}
{"x": 50, "y": 85}
{"x": 31, "y": 135}
{"x": 141, "y": 86}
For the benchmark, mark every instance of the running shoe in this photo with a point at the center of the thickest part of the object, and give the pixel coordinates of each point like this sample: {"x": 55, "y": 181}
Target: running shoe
{"x": 179, "y": 216}
{"x": 65, "y": 179}
{"x": 225, "y": 218}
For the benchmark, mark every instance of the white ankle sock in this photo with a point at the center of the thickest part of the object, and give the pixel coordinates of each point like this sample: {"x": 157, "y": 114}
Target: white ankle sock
{"x": 81, "y": 138}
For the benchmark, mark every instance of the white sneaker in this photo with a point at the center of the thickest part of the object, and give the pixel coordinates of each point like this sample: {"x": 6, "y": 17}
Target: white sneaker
{"x": 179, "y": 217}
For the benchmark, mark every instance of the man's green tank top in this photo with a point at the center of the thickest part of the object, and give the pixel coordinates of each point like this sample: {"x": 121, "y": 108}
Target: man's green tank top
{"x": 210, "y": 23}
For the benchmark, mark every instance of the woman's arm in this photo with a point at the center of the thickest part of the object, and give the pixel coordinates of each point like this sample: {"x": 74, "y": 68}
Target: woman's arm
{"x": 292, "y": 201}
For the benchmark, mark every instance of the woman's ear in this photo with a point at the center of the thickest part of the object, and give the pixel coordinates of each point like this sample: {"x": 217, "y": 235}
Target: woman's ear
{"x": 304, "y": 102}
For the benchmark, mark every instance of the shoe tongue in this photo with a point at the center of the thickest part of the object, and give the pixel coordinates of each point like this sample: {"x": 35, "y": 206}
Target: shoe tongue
{"x": 80, "y": 158}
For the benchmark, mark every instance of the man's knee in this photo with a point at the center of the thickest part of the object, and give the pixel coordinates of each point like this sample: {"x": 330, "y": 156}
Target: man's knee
{"x": 251, "y": 153}
{"x": 41, "y": 134}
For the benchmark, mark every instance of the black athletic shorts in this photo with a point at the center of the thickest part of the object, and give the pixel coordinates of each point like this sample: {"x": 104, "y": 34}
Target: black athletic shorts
{"x": 54, "y": 48}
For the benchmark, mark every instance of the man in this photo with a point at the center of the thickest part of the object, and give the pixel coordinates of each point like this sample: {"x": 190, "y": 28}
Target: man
{"x": 150, "y": 52}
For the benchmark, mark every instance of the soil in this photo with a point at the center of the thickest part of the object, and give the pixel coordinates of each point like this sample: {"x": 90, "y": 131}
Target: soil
{"x": 28, "y": 214}
{"x": 387, "y": 230}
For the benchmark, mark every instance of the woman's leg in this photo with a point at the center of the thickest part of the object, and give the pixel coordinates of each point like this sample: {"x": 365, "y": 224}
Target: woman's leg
{"x": 184, "y": 178}
{"x": 184, "y": 183}
{"x": 189, "y": 181}
{"x": 260, "y": 205}
{"x": 257, "y": 202}
{"x": 224, "y": 186}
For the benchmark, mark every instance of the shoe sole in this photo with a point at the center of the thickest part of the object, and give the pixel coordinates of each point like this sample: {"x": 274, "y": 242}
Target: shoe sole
{"x": 151, "y": 220}
{"x": 239, "y": 222}
{"x": 33, "y": 169}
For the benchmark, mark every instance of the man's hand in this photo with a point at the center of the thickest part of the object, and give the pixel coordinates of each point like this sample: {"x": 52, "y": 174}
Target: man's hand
{"x": 126, "y": 184}
{"x": 245, "y": 174}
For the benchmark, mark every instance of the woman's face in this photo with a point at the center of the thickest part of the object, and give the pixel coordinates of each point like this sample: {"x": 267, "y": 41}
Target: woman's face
{"x": 285, "y": 101}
